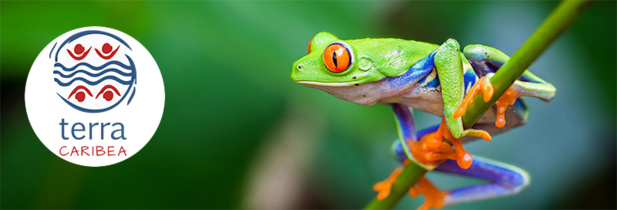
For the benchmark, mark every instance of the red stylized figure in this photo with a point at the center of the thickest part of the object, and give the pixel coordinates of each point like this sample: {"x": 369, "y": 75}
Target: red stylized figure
{"x": 80, "y": 96}
{"x": 108, "y": 92}
{"x": 107, "y": 49}
{"x": 78, "y": 49}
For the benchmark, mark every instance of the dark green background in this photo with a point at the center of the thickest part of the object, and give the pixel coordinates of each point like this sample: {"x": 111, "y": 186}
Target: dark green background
{"x": 237, "y": 132}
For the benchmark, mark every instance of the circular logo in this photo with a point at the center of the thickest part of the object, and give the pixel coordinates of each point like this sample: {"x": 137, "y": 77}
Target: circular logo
{"x": 84, "y": 101}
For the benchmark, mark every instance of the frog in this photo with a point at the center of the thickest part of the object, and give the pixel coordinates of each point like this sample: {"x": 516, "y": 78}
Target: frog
{"x": 438, "y": 79}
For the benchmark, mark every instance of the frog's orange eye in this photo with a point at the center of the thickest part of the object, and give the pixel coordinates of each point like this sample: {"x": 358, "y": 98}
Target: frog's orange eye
{"x": 337, "y": 57}
{"x": 309, "y": 48}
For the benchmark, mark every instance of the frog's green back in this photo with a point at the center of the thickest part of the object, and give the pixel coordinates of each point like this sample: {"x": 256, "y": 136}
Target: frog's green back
{"x": 393, "y": 57}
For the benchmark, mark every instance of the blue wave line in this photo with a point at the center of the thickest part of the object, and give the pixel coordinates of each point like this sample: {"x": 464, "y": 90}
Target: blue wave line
{"x": 92, "y": 74}
{"x": 93, "y": 82}
{"x": 52, "y": 49}
{"x": 132, "y": 94}
{"x": 94, "y": 67}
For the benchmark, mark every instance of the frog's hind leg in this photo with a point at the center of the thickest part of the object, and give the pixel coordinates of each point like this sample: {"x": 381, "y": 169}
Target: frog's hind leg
{"x": 504, "y": 180}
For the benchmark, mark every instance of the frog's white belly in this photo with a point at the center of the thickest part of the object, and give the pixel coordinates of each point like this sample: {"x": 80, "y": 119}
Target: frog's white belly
{"x": 382, "y": 92}
{"x": 423, "y": 99}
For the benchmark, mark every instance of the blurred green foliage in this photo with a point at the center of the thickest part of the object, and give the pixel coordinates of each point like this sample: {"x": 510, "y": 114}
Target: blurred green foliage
{"x": 226, "y": 69}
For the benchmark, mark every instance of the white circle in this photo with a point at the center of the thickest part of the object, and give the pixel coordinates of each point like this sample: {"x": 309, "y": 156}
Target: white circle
{"x": 102, "y": 131}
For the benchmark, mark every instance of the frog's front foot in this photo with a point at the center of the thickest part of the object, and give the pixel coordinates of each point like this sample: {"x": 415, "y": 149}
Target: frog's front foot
{"x": 433, "y": 197}
{"x": 484, "y": 85}
{"x": 431, "y": 150}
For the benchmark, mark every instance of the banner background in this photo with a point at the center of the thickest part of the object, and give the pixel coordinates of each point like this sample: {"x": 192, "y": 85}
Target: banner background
{"x": 237, "y": 132}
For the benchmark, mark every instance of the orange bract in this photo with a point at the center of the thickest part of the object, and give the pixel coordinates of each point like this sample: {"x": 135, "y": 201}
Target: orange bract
{"x": 336, "y": 58}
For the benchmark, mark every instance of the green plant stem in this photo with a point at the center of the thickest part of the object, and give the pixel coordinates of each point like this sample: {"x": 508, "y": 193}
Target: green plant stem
{"x": 561, "y": 18}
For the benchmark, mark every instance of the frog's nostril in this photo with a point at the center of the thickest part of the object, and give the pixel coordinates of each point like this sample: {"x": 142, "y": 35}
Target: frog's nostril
{"x": 299, "y": 67}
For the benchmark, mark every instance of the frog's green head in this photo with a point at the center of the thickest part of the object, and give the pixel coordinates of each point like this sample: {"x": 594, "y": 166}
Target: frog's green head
{"x": 343, "y": 67}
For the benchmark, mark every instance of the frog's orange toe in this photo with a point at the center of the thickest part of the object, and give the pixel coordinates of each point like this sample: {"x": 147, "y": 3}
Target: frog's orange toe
{"x": 460, "y": 111}
{"x": 414, "y": 192}
{"x": 464, "y": 161}
{"x": 507, "y": 99}
{"x": 463, "y": 158}
{"x": 485, "y": 135}
{"x": 434, "y": 198}
{"x": 483, "y": 84}
{"x": 437, "y": 157}
{"x": 383, "y": 187}
{"x": 487, "y": 88}
{"x": 500, "y": 121}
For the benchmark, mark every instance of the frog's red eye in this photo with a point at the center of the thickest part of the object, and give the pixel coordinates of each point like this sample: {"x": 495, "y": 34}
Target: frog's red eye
{"x": 309, "y": 48}
{"x": 336, "y": 57}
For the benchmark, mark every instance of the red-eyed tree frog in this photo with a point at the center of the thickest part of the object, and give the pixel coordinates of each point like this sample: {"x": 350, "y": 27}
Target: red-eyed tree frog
{"x": 438, "y": 79}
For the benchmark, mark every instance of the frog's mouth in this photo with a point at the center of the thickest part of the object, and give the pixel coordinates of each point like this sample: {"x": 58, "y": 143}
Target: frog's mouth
{"x": 332, "y": 84}
{"x": 360, "y": 92}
